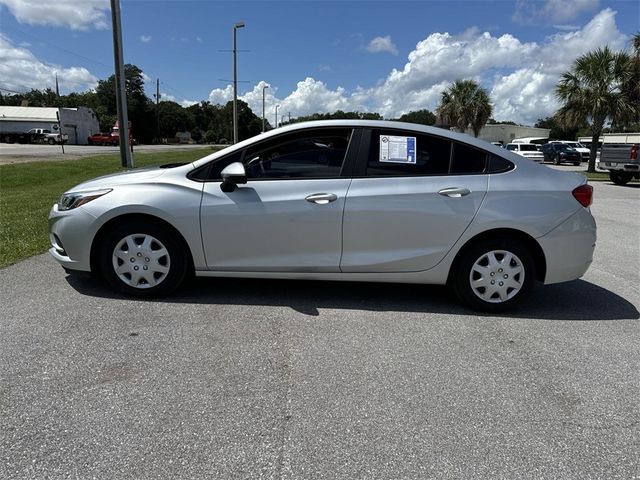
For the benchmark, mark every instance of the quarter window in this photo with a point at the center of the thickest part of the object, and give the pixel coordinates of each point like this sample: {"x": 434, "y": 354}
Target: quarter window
{"x": 467, "y": 160}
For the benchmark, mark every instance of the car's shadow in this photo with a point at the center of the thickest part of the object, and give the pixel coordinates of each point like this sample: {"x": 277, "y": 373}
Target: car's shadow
{"x": 577, "y": 300}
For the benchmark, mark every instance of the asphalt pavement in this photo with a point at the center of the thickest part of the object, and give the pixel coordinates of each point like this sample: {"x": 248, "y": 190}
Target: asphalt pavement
{"x": 296, "y": 380}
{"x": 23, "y": 153}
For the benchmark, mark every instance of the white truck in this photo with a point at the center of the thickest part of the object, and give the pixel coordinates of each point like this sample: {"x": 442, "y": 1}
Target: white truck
{"x": 48, "y": 136}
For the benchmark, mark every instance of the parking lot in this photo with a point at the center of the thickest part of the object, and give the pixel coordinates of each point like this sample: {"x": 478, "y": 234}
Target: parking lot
{"x": 284, "y": 379}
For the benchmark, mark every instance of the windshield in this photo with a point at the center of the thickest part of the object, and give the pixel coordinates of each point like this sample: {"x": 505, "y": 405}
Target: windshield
{"x": 525, "y": 147}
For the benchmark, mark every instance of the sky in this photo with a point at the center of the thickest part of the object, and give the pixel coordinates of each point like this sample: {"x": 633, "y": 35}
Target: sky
{"x": 389, "y": 57}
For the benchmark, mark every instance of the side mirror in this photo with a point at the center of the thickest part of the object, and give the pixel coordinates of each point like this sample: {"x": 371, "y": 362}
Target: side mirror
{"x": 233, "y": 175}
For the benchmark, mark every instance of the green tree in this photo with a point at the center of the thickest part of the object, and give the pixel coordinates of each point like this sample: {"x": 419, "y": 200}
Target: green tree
{"x": 465, "y": 104}
{"x": 423, "y": 117}
{"x": 593, "y": 91}
{"x": 140, "y": 112}
{"x": 173, "y": 119}
{"x": 559, "y": 131}
{"x": 631, "y": 86}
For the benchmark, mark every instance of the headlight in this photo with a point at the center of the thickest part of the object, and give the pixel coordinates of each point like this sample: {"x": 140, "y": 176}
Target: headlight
{"x": 71, "y": 200}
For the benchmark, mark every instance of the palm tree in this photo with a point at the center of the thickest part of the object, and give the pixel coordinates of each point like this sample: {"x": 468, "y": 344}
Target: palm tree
{"x": 594, "y": 90}
{"x": 465, "y": 104}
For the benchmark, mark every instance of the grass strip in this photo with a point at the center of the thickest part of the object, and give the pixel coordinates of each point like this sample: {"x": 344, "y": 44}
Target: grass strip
{"x": 28, "y": 190}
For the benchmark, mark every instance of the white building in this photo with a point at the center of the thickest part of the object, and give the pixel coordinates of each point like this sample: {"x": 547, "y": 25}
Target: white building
{"x": 78, "y": 123}
{"x": 614, "y": 138}
{"x": 506, "y": 133}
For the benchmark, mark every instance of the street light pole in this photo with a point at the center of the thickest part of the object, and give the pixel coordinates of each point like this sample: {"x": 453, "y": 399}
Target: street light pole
{"x": 235, "y": 84}
{"x": 277, "y": 106}
{"x": 263, "y": 89}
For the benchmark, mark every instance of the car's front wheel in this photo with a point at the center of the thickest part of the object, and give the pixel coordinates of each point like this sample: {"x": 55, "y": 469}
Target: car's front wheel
{"x": 143, "y": 259}
{"x": 493, "y": 275}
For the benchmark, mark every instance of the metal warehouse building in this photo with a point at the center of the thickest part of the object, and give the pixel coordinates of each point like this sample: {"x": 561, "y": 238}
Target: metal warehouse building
{"x": 506, "y": 133}
{"x": 78, "y": 123}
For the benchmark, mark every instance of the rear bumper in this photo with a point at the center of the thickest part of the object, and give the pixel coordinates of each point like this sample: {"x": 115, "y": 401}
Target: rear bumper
{"x": 569, "y": 247}
{"x": 622, "y": 167}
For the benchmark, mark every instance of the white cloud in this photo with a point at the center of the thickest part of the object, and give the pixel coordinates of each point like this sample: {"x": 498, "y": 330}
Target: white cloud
{"x": 520, "y": 76}
{"x": 557, "y": 11}
{"x": 145, "y": 38}
{"x": 21, "y": 71}
{"x": 74, "y": 14}
{"x": 382, "y": 44}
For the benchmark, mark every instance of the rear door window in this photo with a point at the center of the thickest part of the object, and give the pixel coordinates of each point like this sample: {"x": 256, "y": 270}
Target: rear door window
{"x": 405, "y": 153}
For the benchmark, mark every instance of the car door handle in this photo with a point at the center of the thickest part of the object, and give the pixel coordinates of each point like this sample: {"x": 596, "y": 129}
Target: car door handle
{"x": 455, "y": 192}
{"x": 321, "y": 198}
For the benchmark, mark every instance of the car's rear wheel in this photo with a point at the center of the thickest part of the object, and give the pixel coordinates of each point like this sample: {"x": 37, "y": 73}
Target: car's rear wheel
{"x": 143, "y": 259}
{"x": 620, "y": 178}
{"x": 51, "y": 141}
{"x": 493, "y": 275}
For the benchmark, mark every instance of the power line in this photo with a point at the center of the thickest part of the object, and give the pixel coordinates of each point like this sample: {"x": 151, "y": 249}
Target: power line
{"x": 12, "y": 91}
{"x": 59, "y": 48}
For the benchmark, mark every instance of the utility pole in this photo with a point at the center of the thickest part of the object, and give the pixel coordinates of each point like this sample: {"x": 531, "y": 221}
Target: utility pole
{"x": 277, "y": 106}
{"x": 158, "y": 110}
{"x": 235, "y": 83}
{"x": 263, "y": 89}
{"x": 121, "y": 94}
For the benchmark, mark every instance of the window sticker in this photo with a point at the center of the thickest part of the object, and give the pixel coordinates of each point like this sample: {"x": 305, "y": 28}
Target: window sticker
{"x": 394, "y": 149}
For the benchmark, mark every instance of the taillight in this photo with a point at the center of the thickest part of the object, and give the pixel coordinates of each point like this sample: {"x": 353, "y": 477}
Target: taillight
{"x": 634, "y": 152}
{"x": 584, "y": 194}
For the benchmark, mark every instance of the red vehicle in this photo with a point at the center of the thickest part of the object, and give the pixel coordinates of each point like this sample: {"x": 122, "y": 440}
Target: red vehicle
{"x": 103, "y": 139}
{"x": 112, "y": 138}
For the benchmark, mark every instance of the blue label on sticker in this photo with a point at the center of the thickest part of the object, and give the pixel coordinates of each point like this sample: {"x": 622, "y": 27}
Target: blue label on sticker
{"x": 411, "y": 150}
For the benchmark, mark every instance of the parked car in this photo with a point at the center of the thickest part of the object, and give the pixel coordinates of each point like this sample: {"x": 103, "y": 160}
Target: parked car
{"x": 527, "y": 150}
{"x": 103, "y": 139}
{"x": 560, "y": 153}
{"x": 335, "y": 200}
{"x": 577, "y": 146}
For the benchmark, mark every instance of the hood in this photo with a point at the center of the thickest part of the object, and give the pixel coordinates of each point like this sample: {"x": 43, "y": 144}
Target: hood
{"x": 123, "y": 178}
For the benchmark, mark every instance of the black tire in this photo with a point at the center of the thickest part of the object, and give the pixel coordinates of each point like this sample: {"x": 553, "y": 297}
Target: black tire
{"x": 51, "y": 141}
{"x": 167, "y": 269}
{"x": 521, "y": 268}
{"x": 576, "y": 164}
{"x": 620, "y": 178}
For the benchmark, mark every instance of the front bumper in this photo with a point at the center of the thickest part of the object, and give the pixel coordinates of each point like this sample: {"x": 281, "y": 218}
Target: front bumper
{"x": 71, "y": 234}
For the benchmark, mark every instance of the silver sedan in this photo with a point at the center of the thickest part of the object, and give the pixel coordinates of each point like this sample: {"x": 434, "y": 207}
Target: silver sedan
{"x": 336, "y": 200}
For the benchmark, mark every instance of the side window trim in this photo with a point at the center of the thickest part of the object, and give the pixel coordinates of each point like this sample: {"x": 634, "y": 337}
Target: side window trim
{"x": 203, "y": 173}
{"x": 365, "y": 151}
